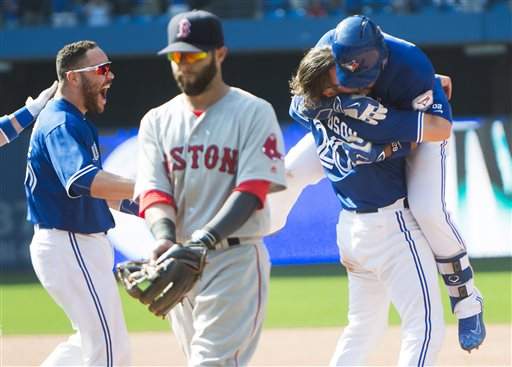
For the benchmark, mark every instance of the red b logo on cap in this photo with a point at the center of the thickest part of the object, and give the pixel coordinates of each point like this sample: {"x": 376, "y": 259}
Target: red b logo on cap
{"x": 183, "y": 28}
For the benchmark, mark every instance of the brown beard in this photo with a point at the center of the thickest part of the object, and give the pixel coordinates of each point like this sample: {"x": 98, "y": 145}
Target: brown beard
{"x": 199, "y": 85}
{"x": 90, "y": 95}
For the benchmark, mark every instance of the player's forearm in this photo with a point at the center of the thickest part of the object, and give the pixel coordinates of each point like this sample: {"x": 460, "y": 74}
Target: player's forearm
{"x": 161, "y": 220}
{"x": 109, "y": 186}
{"x": 436, "y": 128}
{"x": 12, "y": 125}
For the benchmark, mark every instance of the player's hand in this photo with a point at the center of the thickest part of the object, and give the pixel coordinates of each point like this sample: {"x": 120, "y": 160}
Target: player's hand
{"x": 35, "y": 106}
{"x": 359, "y": 151}
{"x": 361, "y": 108}
{"x": 160, "y": 247}
{"x": 446, "y": 83}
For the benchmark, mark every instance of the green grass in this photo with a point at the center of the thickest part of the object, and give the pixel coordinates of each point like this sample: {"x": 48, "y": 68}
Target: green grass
{"x": 311, "y": 296}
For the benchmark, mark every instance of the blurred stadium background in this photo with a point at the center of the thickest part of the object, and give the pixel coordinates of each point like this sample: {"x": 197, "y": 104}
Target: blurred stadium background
{"x": 470, "y": 40}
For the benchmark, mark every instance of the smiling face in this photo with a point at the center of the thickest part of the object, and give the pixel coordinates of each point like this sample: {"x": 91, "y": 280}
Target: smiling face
{"x": 94, "y": 84}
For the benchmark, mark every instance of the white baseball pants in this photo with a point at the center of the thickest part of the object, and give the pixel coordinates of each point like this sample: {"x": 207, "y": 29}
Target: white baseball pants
{"x": 219, "y": 322}
{"x": 388, "y": 260}
{"x": 76, "y": 270}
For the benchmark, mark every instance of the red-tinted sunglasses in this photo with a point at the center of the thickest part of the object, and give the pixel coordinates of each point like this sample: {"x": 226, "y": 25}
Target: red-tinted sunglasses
{"x": 100, "y": 69}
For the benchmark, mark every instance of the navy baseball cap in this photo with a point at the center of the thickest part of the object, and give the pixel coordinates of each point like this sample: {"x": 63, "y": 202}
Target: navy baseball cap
{"x": 194, "y": 31}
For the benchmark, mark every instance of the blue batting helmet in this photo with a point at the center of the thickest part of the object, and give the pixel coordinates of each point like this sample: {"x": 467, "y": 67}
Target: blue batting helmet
{"x": 359, "y": 50}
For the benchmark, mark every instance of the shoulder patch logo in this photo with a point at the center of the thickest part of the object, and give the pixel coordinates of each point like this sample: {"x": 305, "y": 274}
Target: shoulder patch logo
{"x": 183, "y": 28}
{"x": 423, "y": 101}
{"x": 270, "y": 148}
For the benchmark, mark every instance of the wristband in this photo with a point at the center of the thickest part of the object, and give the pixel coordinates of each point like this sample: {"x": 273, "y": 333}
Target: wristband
{"x": 400, "y": 148}
{"x": 164, "y": 228}
{"x": 7, "y": 129}
{"x": 129, "y": 207}
{"x": 24, "y": 117}
{"x": 206, "y": 237}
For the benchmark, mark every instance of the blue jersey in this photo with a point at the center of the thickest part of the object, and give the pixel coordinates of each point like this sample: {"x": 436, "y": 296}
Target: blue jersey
{"x": 407, "y": 86}
{"x": 63, "y": 159}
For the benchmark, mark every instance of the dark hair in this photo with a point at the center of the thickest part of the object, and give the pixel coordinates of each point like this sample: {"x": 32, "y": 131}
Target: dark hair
{"x": 312, "y": 76}
{"x": 70, "y": 56}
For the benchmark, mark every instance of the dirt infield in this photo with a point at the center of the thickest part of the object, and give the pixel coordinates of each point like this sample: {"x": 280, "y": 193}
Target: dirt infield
{"x": 278, "y": 347}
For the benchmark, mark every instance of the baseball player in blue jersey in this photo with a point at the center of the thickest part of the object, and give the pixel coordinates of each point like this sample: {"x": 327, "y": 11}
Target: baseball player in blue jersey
{"x": 399, "y": 75}
{"x": 67, "y": 193}
{"x": 386, "y": 254}
{"x": 12, "y": 125}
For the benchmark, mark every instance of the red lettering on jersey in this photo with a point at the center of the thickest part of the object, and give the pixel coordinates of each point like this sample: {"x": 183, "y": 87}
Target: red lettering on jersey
{"x": 195, "y": 149}
{"x": 211, "y": 156}
{"x": 229, "y": 161}
{"x": 178, "y": 162}
{"x": 270, "y": 148}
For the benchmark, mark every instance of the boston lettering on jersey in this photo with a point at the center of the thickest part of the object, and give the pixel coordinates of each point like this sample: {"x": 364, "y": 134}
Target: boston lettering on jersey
{"x": 211, "y": 157}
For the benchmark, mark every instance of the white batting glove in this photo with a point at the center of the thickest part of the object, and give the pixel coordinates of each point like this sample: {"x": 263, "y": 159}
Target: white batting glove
{"x": 362, "y": 108}
{"x": 34, "y": 106}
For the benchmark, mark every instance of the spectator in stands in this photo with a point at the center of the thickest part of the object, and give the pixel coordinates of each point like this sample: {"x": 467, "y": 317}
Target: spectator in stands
{"x": 97, "y": 12}
{"x": 10, "y": 13}
{"x": 64, "y": 13}
{"x": 34, "y": 12}
{"x": 317, "y": 8}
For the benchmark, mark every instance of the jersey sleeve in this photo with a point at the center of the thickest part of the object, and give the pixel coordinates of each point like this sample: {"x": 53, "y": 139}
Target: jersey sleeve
{"x": 440, "y": 105}
{"x": 70, "y": 148}
{"x": 261, "y": 155}
{"x": 152, "y": 163}
{"x": 398, "y": 125}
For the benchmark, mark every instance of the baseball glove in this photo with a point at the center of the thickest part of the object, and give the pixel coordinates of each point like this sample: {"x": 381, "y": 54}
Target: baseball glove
{"x": 164, "y": 283}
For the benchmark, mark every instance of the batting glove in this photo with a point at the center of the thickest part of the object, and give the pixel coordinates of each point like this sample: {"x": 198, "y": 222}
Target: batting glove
{"x": 361, "y": 108}
{"x": 34, "y": 106}
{"x": 359, "y": 151}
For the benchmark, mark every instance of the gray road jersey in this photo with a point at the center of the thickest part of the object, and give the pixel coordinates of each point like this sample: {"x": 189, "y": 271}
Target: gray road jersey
{"x": 200, "y": 160}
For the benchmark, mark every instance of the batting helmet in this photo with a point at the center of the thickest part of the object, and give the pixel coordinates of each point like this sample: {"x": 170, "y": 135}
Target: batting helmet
{"x": 359, "y": 50}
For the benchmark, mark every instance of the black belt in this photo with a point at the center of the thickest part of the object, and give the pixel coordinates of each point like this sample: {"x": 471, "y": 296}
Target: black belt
{"x": 376, "y": 210}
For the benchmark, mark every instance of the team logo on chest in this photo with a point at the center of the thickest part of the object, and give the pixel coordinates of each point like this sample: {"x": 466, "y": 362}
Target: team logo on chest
{"x": 95, "y": 152}
{"x": 270, "y": 148}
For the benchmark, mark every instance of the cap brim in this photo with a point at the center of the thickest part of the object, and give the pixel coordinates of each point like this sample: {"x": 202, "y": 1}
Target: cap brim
{"x": 357, "y": 80}
{"x": 184, "y": 47}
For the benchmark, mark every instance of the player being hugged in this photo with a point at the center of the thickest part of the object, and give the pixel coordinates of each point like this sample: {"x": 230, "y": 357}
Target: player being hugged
{"x": 67, "y": 192}
{"x": 207, "y": 159}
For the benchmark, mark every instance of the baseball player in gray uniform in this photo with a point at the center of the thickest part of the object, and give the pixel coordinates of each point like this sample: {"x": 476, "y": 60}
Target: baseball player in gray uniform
{"x": 207, "y": 159}
{"x": 11, "y": 126}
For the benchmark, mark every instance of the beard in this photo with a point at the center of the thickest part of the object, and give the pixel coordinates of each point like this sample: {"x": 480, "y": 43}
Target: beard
{"x": 203, "y": 79}
{"x": 90, "y": 95}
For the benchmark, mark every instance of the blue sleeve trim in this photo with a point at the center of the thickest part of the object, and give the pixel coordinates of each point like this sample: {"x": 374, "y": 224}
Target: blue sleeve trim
{"x": 24, "y": 117}
{"x": 421, "y": 116}
{"x": 6, "y": 128}
{"x": 80, "y": 183}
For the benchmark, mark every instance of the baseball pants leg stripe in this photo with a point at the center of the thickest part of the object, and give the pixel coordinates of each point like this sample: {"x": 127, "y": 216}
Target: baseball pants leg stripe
{"x": 94, "y": 296}
{"x": 443, "y": 195}
{"x": 255, "y": 325}
{"x": 424, "y": 287}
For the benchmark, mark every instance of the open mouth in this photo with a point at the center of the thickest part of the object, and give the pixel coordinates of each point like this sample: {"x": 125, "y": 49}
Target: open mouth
{"x": 104, "y": 92}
